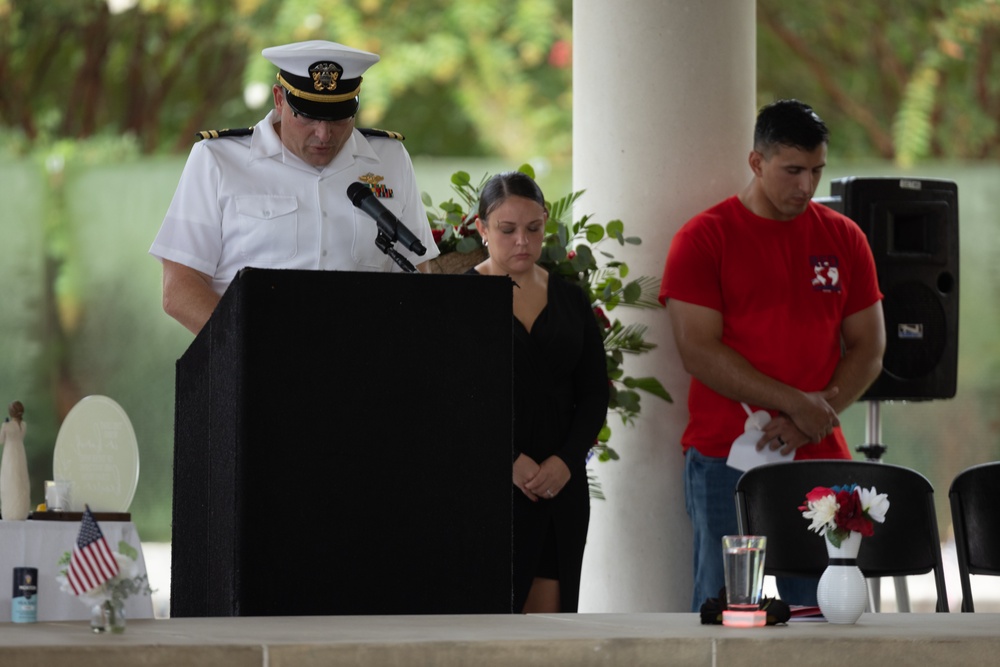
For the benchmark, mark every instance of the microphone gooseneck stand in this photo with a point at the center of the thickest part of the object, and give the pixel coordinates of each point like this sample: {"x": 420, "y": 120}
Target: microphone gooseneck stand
{"x": 384, "y": 243}
{"x": 873, "y": 449}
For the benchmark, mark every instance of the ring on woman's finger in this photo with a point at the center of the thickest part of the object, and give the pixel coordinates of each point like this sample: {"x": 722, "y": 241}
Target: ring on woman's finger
{"x": 548, "y": 493}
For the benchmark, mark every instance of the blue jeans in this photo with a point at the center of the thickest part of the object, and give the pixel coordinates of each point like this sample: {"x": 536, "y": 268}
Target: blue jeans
{"x": 709, "y": 485}
{"x": 709, "y": 496}
{"x": 797, "y": 590}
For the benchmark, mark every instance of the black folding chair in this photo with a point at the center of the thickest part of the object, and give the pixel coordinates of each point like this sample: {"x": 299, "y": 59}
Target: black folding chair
{"x": 977, "y": 524}
{"x": 768, "y": 498}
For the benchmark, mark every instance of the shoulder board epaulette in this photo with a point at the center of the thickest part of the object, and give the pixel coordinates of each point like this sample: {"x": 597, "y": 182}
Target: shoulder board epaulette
{"x": 375, "y": 132}
{"x": 215, "y": 134}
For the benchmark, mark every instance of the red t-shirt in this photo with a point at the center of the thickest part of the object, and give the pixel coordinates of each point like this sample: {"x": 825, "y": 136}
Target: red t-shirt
{"x": 783, "y": 288}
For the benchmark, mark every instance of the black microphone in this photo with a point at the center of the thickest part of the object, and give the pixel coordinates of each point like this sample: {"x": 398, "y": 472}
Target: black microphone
{"x": 362, "y": 197}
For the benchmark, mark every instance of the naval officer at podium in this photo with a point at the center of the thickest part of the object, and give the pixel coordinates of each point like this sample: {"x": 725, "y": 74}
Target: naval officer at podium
{"x": 276, "y": 195}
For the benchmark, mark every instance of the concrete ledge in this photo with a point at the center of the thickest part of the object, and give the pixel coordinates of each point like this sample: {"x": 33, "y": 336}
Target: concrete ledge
{"x": 488, "y": 641}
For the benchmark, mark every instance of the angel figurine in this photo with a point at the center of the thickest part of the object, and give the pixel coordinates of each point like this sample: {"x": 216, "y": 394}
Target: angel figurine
{"x": 15, "y": 487}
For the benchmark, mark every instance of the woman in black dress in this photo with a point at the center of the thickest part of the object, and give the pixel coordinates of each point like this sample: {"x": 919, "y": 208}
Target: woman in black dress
{"x": 560, "y": 397}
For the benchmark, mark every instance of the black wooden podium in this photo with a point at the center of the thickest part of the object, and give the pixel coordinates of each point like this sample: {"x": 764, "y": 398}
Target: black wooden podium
{"x": 343, "y": 446}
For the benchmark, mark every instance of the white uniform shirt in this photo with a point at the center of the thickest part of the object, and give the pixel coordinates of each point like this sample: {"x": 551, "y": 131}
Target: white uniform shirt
{"x": 249, "y": 201}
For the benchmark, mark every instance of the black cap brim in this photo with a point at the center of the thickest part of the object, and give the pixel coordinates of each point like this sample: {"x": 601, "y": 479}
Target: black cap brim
{"x": 322, "y": 110}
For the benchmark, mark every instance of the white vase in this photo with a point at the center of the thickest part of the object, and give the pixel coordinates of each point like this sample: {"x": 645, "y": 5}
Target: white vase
{"x": 842, "y": 592}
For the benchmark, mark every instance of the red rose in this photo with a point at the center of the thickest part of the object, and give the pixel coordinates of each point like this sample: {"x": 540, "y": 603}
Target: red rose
{"x": 817, "y": 493}
{"x": 850, "y": 514}
{"x": 438, "y": 235}
{"x": 602, "y": 318}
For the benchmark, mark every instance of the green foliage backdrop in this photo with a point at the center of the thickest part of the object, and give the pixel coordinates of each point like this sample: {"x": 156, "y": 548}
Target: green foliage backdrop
{"x": 899, "y": 80}
{"x": 896, "y": 79}
{"x": 458, "y": 78}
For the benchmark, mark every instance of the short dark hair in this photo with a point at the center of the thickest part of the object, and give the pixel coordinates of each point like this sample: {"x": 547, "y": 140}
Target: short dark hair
{"x": 788, "y": 123}
{"x": 504, "y": 185}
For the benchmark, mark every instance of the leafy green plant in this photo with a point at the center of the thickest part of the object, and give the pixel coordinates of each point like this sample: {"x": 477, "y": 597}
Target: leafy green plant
{"x": 572, "y": 249}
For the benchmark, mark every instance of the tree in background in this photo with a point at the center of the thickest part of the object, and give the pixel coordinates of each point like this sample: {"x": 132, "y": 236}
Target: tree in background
{"x": 895, "y": 80}
{"x": 472, "y": 78}
{"x": 155, "y": 72}
{"x": 477, "y": 77}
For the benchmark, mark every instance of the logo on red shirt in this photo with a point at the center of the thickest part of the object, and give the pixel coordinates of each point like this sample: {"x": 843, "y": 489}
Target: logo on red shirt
{"x": 826, "y": 272}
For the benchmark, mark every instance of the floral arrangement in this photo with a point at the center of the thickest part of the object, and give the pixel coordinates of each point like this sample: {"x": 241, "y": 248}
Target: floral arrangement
{"x": 836, "y": 512}
{"x": 127, "y": 582}
{"x": 570, "y": 250}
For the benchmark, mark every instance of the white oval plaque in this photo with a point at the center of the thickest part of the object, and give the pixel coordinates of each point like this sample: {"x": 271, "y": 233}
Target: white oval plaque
{"x": 96, "y": 450}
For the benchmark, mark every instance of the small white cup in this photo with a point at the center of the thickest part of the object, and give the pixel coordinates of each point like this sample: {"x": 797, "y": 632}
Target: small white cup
{"x": 57, "y": 495}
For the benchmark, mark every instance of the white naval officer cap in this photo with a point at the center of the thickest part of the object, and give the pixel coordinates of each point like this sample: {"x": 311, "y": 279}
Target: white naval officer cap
{"x": 321, "y": 79}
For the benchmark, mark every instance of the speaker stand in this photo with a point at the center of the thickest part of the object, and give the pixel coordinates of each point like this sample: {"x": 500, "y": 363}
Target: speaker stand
{"x": 873, "y": 449}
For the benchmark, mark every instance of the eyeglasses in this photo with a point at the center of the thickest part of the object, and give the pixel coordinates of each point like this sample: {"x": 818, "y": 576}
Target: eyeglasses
{"x": 315, "y": 122}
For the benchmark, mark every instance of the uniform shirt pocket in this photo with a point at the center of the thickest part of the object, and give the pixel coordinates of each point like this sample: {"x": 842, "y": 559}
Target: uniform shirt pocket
{"x": 268, "y": 227}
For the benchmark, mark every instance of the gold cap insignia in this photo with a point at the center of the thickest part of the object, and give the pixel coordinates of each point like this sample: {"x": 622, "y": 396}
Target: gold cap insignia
{"x": 325, "y": 75}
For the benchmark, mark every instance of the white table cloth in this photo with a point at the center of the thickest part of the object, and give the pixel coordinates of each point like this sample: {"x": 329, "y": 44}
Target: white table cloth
{"x": 40, "y": 544}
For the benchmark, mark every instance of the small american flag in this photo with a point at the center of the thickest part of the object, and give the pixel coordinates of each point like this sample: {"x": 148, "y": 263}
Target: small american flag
{"x": 92, "y": 562}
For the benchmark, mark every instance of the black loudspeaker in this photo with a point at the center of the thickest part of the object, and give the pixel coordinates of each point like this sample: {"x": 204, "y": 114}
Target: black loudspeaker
{"x": 912, "y": 228}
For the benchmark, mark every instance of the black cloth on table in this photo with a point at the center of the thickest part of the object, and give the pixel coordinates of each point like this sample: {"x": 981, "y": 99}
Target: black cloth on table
{"x": 560, "y": 385}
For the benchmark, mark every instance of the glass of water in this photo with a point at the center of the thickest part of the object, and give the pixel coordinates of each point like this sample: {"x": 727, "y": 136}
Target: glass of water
{"x": 743, "y": 558}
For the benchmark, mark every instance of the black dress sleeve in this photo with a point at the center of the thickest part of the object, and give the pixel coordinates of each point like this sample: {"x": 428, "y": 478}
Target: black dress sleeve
{"x": 589, "y": 381}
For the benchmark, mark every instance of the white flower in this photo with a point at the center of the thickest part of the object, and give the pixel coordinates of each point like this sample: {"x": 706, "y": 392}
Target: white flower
{"x": 874, "y": 504}
{"x": 128, "y": 568}
{"x": 90, "y": 598}
{"x": 822, "y": 512}
{"x": 128, "y": 580}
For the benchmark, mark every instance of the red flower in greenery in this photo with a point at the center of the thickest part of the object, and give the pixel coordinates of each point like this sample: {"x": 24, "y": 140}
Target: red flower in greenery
{"x": 468, "y": 225}
{"x": 561, "y": 54}
{"x": 602, "y": 318}
{"x": 438, "y": 235}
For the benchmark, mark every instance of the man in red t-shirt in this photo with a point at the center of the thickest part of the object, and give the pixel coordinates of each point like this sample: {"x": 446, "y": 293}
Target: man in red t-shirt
{"x": 774, "y": 303}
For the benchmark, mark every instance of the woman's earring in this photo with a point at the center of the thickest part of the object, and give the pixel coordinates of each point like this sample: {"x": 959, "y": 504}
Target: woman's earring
{"x": 486, "y": 242}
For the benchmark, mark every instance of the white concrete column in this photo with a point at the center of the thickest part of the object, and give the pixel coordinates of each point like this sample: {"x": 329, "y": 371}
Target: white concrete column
{"x": 663, "y": 111}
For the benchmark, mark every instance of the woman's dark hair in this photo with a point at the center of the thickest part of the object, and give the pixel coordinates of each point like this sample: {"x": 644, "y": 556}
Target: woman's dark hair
{"x": 504, "y": 185}
{"x": 788, "y": 123}
{"x": 16, "y": 410}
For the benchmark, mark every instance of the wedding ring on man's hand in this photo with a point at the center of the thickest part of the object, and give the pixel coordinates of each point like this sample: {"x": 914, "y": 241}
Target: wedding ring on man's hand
{"x": 549, "y": 493}
{"x": 781, "y": 441}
